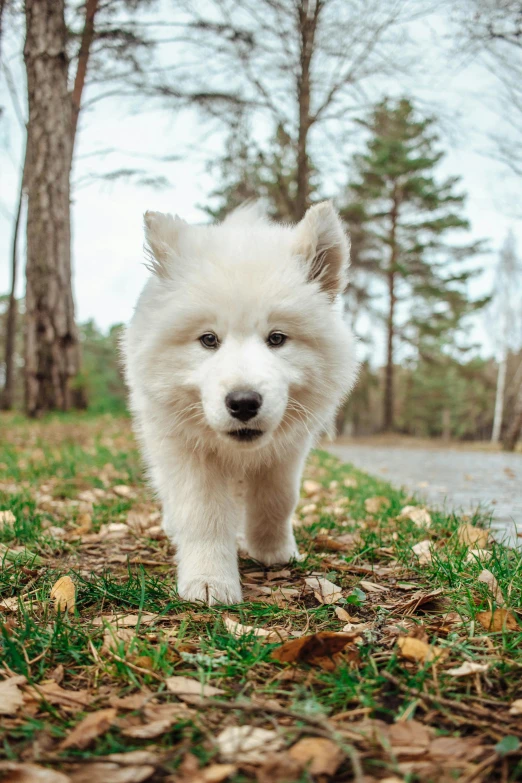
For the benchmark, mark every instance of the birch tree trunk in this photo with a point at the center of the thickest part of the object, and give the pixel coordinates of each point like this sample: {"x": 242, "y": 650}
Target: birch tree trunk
{"x": 499, "y": 398}
{"x": 51, "y": 337}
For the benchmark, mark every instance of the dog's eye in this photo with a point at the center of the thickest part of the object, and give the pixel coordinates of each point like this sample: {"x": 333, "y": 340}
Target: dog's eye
{"x": 209, "y": 340}
{"x": 276, "y": 339}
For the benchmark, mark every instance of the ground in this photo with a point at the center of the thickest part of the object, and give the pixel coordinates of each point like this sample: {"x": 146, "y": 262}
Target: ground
{"x": 456, "y": 476}
{"x": 391, "y": 653}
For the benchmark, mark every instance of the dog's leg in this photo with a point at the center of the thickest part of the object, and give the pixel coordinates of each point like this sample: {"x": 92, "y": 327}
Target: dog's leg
{"x": 200, "y": 517}
{"x": 271, "y": 500}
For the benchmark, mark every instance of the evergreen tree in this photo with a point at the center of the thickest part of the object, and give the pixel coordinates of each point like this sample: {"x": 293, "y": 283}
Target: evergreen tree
{"x": 246, "y": 172}
{"x": 400, "y": 215}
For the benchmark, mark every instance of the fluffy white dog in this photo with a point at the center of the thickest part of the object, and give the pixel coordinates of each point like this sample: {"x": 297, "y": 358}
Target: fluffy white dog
{"x": 237, "y": 357}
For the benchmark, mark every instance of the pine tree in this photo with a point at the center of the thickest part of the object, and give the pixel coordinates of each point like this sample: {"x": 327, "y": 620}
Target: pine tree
{"x": 400, "y": 215}
{"x": 248, "y": 171}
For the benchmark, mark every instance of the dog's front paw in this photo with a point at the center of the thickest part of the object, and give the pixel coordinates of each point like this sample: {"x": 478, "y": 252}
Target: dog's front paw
{"x": 277, "y": 555}
{"x": 210, "y": 591}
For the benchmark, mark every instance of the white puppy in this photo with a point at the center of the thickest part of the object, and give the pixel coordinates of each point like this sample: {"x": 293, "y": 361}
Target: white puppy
{"x": 237, "y": 357}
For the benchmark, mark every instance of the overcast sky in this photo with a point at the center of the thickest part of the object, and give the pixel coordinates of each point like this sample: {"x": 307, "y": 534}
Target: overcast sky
{"x": 107, "y": 219}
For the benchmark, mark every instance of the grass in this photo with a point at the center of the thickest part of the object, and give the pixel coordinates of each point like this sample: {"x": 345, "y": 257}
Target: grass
{"x": 392, "y": 717}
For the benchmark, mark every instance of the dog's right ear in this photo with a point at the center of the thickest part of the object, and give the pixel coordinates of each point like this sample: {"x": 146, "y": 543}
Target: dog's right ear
{"x": 162, "y": 234}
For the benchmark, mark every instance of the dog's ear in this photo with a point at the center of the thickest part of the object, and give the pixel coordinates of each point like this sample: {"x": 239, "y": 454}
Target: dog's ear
{"x": 324, "y": 248}
{"x": 162, "y": 234}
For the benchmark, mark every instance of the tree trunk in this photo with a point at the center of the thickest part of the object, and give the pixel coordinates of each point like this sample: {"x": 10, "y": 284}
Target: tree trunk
{"x": 499, "y": 398}
{"x": 515, "y": 428}
{"x": 51, "y": 338}
{"x": 389, "y": 392}
{"x": 307, "y": 19}
{"x": 6, "y": 402}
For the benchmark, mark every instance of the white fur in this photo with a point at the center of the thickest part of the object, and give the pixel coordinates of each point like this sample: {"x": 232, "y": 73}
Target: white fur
{"x": 241, "y": 279}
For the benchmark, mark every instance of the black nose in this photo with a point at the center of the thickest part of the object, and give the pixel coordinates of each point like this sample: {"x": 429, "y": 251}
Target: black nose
{"x": 243, "y": 405}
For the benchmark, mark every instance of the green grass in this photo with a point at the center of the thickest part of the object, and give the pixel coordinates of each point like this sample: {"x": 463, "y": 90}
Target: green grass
{"x": 44, "y": 469}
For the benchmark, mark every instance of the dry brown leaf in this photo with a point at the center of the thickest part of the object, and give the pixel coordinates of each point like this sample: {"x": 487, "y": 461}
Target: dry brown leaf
{"x": 63, "y": 594}
{"x": 50, "y": 691}
{"x": 350, "y": 482}
{"x": 323, "y": 541}
{"x": 423, "y": 551}
{"x": 135, "y": 701}
{"x": 318, "y": 649}
{"x": 123, "y": 491}
{"x": 83, "y": 524}
{"x": 92, "y": 726}
{"x": 478, "y": 556}
{"x": 516, "y": 707}
{"x": 376, "y": 504}
{"x": 11, "y": 697}
{"x": 499, "y": 620}
{"x": 488, "y": 578}
{"x": 9, "y": 604}
{"x": 311, "y": 487}
{"x": 418, "y": 515}
{"x": 125, "y": 620}
{"x": 217, "y": 773}
{"x": 238, "y": 630}
{"x": 324, "y": 590}
{"x": 113, "y": 636}
{"x": 247, "y": 744}
{"x": 418, "y": 650}
{"x": 468, "y": 667}
{"x": 321, "y": 756}
{"x": 13, "y": 772}
{"x": 344, "y": 616}
{"x": 409, "y": 738}
{"x": 7, "y": 518}
{"x": 188, "y": 686}
{"x": 472, "y": 536}
{"x": 149, "y": 730}
{"x": 109, "y": 772}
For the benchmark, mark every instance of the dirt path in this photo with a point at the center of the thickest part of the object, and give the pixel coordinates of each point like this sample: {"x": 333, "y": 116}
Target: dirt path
{"x": 459, "y": 479}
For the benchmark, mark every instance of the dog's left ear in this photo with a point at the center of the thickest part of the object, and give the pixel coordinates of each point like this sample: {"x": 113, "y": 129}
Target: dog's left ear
{"x": 162, "y": 233}
{"x": 324, "y": 248}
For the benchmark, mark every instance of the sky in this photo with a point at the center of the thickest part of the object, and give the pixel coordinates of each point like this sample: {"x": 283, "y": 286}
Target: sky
{"x": 107, "y": 248}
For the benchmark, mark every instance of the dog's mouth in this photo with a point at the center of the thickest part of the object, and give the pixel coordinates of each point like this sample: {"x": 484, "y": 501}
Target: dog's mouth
{"x": 245, "y": 435}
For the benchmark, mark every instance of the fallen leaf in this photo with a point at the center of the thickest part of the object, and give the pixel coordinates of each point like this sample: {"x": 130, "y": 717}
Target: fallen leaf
{"x": 418, "y": 515}
{"x": 468, "y": 667}
{"x": 311, "y": 487}
{"x": 83, "y": 524}
{"x": 148, "y": 730}
{"x": 488, "y": 578}
{"x": 414, "y": 649}
{"x": 344, "y": 616}
{"x": 238, "y": 630}
{"x": 374, "y": 505}
{"x": 123, "y": 491}
{"x": 217, "y": 773}
{"x": 63, "y": 594}
{"x": 111, "y": 773}
{"x": 477, "y": 555}
{"x": 7, "y": 518}
{"x": 135, "y": 701}
{"x": 321, "y": 756}
{"x": 92, "y": 726}
{"x": 324, "y": 590}
{"x": 9, "y": 604}
{"x": 112, "y": 637}
{"x": 499, "y": 620}
{"x": 125, "y": 620}
{"x": 409, "y": 738}
{"x": 317, "y": 649}
{"x": 350, "y": 482}
{"x": 13, "y": 772}
{"x": 247, "y": 744}
{"x": 188, "y": 686}
{"x": 322, "y": 542}
{"x": 11, "y": 697}
{"x": 472, "y": 536}
{"x": 423, "y": 551}
{"x": 516, "y": 707}
{"x": 50, "y": 691}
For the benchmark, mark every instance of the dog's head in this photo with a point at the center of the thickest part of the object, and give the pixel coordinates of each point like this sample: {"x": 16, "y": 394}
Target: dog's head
{"x": 238, "y": 334}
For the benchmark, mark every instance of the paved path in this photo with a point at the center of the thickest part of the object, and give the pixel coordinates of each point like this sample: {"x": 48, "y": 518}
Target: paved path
{"x": 460, "y": 480}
